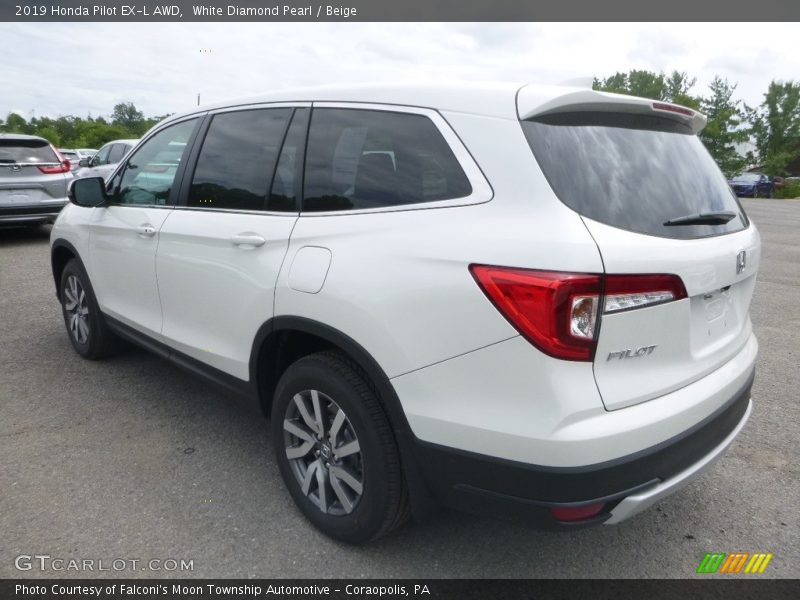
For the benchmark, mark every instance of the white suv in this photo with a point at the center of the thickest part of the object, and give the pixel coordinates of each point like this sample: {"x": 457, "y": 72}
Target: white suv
{"x": 513, "y": 299}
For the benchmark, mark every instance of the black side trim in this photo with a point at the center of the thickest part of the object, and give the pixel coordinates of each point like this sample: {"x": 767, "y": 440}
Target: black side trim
{"x": 450, "y": 472}
{"x": 242, "y": 390}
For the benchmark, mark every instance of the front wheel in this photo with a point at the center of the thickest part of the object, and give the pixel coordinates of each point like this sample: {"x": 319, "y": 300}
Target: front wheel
{"x": 336, "y": 450}
{"x": 86, "y": 328}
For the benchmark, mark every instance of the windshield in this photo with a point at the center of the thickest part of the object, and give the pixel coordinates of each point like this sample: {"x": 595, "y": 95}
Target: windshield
{"x": 746, "y": 177}
{"x": 634, "y": 172}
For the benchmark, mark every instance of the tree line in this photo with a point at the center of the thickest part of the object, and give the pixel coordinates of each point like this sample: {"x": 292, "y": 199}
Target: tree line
{"x": 772, "y": 126}
{"x": 126, "y": 121}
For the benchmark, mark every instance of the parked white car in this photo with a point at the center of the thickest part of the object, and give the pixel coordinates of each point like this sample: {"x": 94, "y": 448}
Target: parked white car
{"x": 105, "y": 161}
{"x": 513, "y": 299}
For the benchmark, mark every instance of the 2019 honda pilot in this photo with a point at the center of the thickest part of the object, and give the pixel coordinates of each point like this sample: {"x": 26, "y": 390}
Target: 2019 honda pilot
{"x": 504, "y": 298}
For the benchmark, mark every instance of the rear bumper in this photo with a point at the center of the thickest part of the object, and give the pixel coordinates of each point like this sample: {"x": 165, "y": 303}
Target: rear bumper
{"x": 34, "y": 213}
{"x": 627, "y": 485}
{"x": 636, "y": 503}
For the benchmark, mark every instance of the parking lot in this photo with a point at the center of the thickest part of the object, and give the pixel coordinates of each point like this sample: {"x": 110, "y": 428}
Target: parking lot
{"x": 132, "y": 458}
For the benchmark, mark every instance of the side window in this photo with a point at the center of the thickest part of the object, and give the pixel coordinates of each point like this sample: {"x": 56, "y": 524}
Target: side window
{"x": 116, "y": 154}
{"x": 101, "y": 158}
{"x": 238, "y": 158}
{"x": 289, "y": 173}
{"x": 359, "y": 159}
{"x": 150, "y": 172}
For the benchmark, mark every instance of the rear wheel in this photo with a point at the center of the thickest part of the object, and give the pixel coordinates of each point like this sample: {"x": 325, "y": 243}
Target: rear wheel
{"x": 336, "y": 450}
{"x": 87, "y": 331}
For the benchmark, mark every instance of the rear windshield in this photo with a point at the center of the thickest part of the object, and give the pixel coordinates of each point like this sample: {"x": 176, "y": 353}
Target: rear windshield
{"x": 635, "y": 172}
{"x": 26, "y": 151}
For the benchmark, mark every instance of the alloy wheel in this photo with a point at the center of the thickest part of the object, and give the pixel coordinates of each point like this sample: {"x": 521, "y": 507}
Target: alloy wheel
{"x": 76, "y": 306}
{"x": 324, "y": 452}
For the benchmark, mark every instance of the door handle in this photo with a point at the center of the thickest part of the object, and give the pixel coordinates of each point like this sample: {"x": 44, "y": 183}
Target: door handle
{"x": 248, "y": 239}
{"x": 147, "y": 230}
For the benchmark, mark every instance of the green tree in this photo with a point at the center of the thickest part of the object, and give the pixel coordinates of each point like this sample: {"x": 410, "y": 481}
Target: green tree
{"x": 776, "y": 126}
{"x": 647, "y": 84}
{"x": 126, "y": 115}
{"x": 16, "y": 124}
{"x": 677, "y": 88}
{"x": 724, "y": 129}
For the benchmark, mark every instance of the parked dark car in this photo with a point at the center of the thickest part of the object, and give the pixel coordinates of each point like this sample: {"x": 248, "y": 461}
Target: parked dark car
{"x": 753, "y": 185}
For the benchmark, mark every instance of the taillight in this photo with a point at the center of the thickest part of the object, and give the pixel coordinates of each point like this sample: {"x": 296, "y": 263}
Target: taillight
{"x": 556, "y": 312}
{"x": 62, "y": 167}
{"x": 624, "y": 292}
{"x": 559, "y": 313}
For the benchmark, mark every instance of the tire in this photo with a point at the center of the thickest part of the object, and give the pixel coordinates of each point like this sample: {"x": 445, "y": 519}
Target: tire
{"x": 769, "y": 193}
{"x": 86, "y": 328}
{"x": 354, "y": 497}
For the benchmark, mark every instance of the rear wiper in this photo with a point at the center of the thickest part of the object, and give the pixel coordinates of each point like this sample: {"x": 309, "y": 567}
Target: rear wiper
{"x": 708, "y": 218}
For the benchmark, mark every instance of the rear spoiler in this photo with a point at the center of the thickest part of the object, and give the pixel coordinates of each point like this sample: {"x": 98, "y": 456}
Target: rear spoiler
{"x": 529, "y": 106}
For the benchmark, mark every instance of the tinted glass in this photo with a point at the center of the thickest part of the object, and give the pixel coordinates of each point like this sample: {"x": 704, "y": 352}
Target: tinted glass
{"x": 633, "y": 172}
{"x": 101, "y": 158}
{"x": 238, "y": 158}
{"x": 360, "y": 159}
{"x": 149, "y": 175}
{"x": 26, "y": 151}
{"x": 117, "y": 152}
{"x": 289, "y": 173}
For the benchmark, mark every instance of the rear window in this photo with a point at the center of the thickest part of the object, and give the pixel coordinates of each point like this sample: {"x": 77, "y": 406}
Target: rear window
{"x": 26, "y": 151}
{"x": 635, "y": 172}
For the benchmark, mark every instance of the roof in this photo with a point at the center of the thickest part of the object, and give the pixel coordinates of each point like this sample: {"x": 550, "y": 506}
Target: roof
{"x": 507, "y": 100}
{"x": 486, "y": 98}
{"x": 21, "y": 137}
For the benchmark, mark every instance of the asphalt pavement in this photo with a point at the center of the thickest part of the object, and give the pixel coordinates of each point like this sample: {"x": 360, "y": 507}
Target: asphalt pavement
{"x": 133, "y": 459}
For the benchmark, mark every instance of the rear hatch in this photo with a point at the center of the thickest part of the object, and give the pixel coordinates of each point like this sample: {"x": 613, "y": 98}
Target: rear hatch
{"x": 656, "y": 204}
{"x": 31, "y": 172}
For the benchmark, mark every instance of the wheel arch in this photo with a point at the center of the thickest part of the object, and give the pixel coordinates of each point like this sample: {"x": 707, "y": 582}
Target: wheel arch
{"x": 61, "y": 252}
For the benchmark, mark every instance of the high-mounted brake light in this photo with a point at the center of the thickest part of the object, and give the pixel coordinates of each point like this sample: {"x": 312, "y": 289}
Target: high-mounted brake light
{"x": 673, "y": 108}
{"x": 559, "y": 313}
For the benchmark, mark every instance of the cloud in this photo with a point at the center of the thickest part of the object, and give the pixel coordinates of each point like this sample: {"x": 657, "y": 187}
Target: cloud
{"x": 80, "y": 68}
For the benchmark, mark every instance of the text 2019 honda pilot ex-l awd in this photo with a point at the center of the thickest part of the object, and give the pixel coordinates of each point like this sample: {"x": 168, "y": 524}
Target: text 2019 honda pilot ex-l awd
{"x": 515, "y": 299}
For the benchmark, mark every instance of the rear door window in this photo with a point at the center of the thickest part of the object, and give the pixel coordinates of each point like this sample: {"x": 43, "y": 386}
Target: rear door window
{"x": 361, "y": 159}
{"x": 238, "y": 158}
{"x": 634, "y": 172}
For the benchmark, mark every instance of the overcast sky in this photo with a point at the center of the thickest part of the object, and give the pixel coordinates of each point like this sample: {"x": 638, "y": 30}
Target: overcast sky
{"x": 78, "y": 68}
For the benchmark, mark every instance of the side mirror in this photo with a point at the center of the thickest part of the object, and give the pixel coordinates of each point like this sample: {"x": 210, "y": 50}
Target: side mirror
{"x": 88, "y": 192}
